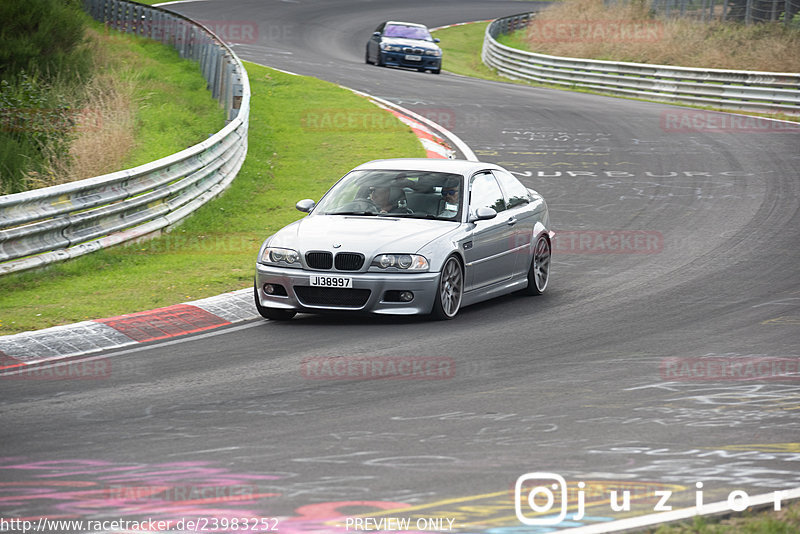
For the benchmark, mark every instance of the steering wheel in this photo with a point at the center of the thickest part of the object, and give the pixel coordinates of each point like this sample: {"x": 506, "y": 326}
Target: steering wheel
{"x": 359, "y": 204}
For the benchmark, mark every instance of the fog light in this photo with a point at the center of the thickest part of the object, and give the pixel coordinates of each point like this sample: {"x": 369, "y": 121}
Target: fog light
{"x": 269, "y": 289}
{"x": 406, "y": 296}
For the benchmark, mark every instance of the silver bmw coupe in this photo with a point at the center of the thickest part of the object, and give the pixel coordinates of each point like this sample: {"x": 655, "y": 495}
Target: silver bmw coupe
{"x": 408, "y": 236}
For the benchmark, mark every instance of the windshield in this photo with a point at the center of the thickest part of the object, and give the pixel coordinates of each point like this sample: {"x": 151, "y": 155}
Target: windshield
{"x": 395, "y": 193}
{"x": 407, "y": 32}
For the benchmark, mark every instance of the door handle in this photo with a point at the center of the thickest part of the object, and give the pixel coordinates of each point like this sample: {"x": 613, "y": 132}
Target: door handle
{"x": 512, "y": 221}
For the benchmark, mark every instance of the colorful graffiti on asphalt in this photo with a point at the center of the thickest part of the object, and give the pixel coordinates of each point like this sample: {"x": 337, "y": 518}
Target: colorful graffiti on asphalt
{"x": 82, "y": 489}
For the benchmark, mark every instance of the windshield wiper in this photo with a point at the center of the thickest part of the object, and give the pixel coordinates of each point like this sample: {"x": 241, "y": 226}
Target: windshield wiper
{"x": 350, "y": 213}
{"x": 414, "y": 215}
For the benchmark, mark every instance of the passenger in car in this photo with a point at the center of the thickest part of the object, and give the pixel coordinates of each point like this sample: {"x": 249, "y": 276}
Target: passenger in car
{"x": 450, "y": 198}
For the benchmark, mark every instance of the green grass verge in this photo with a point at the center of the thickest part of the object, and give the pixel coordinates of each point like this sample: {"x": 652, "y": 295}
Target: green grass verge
{"x": 294, "y": 152}
{"x": 461, "y": 51}
{"x": 785, "y": 521}
{"x": 461, "y": 54}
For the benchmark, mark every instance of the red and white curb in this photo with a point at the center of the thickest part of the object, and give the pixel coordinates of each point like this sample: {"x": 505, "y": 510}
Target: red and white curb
{"x": 426, "y": 126}
{"x": 86, "y": 337}
{"x": 435, "y": 146}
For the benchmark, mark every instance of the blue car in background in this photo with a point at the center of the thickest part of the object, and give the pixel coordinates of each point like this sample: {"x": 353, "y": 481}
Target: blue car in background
{"x": 404, "y": 44}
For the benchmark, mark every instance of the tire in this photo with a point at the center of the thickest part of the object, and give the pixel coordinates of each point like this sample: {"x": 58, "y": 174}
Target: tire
{"x": 272, "y": 314}
{"x": 539, "y": 272}
{"x": 379, "y": 59}
{"x": 437, "y": 71}
{"x": 366, "y": 57}
{"x": 449, "y": 290}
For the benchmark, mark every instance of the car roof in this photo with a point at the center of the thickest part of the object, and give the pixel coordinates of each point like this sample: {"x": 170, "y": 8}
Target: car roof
{"x": 455, "y": 166}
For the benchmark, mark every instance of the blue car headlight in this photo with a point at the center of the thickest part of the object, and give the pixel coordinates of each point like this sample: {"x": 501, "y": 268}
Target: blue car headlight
{"x": 436, "y": 53}
{"x": 391, "y": 48}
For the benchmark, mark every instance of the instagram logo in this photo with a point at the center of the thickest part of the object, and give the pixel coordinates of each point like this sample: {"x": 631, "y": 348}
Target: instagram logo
{"x": 541, "y": 497}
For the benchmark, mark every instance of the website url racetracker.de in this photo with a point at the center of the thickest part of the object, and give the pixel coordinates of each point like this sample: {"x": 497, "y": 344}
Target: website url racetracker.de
{"x": 195, "y": 524}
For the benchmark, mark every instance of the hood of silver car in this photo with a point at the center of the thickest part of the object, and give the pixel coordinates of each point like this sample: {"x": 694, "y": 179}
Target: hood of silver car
{"x": 368, "y": 235}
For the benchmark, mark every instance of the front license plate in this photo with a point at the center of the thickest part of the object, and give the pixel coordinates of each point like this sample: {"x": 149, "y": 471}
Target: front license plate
{"x": 331, "y": 281}
{"x": 413, "y": 58}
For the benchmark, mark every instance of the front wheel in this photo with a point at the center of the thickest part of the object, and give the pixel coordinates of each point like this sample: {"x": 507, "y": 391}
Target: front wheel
{"x": 539, "y": 273}
{"x": 449, "y": 290}
{"x": 273, "y": 314}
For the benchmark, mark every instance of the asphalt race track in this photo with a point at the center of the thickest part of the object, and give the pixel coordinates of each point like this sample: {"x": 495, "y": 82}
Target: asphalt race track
{"x": 677, "y": 256}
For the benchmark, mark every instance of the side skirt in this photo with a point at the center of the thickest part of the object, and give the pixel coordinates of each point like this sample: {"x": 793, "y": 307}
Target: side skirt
{"x": 494, "y": 290}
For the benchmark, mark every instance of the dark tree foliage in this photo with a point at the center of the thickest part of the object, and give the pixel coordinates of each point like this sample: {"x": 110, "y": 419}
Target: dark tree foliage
{"x": 43, "y": 59}
{"x": 41, "y": 36}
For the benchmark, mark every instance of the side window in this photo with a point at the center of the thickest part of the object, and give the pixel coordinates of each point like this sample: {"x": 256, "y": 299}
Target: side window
{"x": 379, "y": 29}
{"x": 485, "y": 192}
{"x": 516, "y": 193}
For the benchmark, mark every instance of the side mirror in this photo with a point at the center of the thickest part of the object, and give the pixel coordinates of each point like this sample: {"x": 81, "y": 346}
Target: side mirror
{"x": 376, "y": 34}
{"x": 436, "y": 40}
{"x": 483, "y": 213}
{"x": 307, "y": 205}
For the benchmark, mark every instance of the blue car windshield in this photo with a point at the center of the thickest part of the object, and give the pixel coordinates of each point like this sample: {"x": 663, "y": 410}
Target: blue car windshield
{"x": 407, "y": 32}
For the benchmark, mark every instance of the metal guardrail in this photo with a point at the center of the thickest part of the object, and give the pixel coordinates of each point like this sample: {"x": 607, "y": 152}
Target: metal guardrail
{"x": 55, "y": 223}
{"x": 766, "y": 92}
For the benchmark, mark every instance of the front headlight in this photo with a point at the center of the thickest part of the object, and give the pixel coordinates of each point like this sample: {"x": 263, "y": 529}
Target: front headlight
{"x": 391, "y": 48}
{"x": 402, "y": 262}
{"x": 436, "y": 53}
{"x": 285, "y": 257}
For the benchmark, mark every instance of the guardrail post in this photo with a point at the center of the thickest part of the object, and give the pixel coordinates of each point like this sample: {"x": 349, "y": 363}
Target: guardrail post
{"x": 238, "y": 91}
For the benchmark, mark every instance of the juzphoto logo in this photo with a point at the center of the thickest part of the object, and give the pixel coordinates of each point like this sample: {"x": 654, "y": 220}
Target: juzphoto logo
{"x": 542, "y": 498}
{"x": 541, "y": 492}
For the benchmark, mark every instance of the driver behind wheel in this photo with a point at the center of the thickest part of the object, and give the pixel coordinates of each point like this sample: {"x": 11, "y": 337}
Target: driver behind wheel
{"x": 381, "y": 197}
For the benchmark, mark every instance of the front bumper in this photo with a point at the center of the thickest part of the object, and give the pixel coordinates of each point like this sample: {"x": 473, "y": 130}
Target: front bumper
{"x": 375, "y": 285}
{"x": 399, "y": 59}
